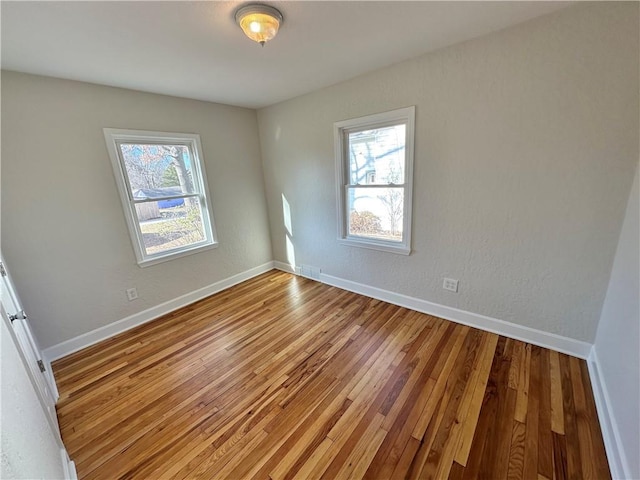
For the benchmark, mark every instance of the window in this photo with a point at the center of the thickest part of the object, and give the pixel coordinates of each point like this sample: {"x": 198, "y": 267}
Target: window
{"x": 374, "y": 162}
{"x": 163, "y": 188}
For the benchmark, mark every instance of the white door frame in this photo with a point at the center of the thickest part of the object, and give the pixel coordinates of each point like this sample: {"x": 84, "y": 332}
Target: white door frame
{"x": 39, "y": 370}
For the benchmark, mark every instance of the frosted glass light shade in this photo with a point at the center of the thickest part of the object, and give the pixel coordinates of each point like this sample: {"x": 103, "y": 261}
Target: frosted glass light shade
{"x": 259, "y": 22}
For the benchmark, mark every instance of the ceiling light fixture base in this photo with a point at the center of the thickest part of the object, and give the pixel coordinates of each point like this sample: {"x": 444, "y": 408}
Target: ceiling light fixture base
{"x": 259, "y": 22}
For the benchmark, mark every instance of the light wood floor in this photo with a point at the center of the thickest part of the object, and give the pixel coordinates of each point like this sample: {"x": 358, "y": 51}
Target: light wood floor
{"x": 282, "y": 377}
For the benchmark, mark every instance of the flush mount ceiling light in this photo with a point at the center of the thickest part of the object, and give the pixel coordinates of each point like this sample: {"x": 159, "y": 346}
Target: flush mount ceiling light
{"x": 259, "y": 22}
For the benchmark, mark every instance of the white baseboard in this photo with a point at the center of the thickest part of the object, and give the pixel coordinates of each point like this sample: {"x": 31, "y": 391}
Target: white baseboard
{"x": 501, "y": 327}
{"x": 87, "y": 339}
{"x": 519, "y": 332}
{"x": 559, "y": 343}
{"x": 51, "y": 380}
{"x": 68, "y": 466}
{"x": 610, "y": 433}
{"x": 285, "y": 267}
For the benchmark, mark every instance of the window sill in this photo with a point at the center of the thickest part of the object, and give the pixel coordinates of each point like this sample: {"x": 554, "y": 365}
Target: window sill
{"x": 398, "y": 249}
{"x": 170, "y": 256}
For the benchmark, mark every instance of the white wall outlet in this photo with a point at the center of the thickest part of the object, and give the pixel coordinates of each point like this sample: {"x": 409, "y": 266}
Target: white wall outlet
{"x": 132, "y": 294}
{"x": 450, "y": 284}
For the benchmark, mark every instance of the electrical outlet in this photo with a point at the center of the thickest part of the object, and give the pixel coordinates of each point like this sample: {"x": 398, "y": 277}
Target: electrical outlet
{"x": 450, "y": 284}
{"x": 132, "y": 294}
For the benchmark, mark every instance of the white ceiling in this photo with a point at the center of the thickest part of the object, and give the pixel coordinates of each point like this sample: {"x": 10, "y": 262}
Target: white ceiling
{"x": 195, "y": 49}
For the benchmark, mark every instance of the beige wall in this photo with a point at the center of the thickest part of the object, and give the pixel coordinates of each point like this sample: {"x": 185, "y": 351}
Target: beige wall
{"x": 63, "y": 230}
{"x": 526, "y": 144}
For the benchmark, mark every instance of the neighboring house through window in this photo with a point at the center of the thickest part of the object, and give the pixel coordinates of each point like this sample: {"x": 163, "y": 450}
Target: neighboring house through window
{"x": 163, "y": 188}
{"x": 374, "y": 162}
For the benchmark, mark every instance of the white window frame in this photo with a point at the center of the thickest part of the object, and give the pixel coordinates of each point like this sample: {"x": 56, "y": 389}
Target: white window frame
{"x": 341, "y": 130}
{"x": 113, "y": 138}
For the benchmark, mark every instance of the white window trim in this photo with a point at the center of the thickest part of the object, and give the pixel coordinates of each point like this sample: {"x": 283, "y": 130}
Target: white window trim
{"x": 394, "y": 117}
{"x": 112, "y": 137}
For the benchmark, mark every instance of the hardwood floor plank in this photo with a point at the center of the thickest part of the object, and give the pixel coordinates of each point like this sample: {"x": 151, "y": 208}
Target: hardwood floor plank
{"x": 443, "y": 448}
{"x": 515, "y": 469}
{"x": 411, "y": 359}
{"x": 523, "y": 386}
{"x": 559, "y": 457}
{"x": 313, "y": 436}
{"x": 389, "y": 325}
{"x": 516, "y": 360}
{"x": 532, "y": 420}
{"x": 406, "y": 416}
{"x": 545, "y": 443}
{"x": 480, "y": 442}
{"x": 499, "y": 431}
{"x": 503, "y": 432}
{"x": 481, "y": 372}
{"x": 557, "y": 413}
{"x": 402, "y": 466}
{"x": 442, "y": 376}
{"x": 456, "y": 472}
{"x": 281, "y": 377}
{"x": 363, "y": 450}
{"x": 574, "y": 464}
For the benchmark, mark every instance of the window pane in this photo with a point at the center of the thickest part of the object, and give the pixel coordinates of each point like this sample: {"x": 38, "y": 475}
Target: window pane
{"x": 170, "y": 224}
{"x": 376, "y": 212}
{"x": 157, "y": 171}
{"x": 376, "y": 157}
